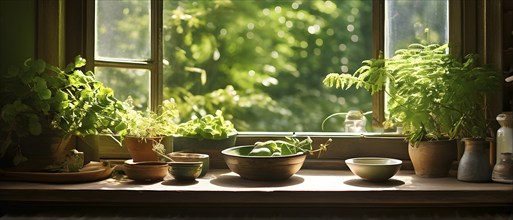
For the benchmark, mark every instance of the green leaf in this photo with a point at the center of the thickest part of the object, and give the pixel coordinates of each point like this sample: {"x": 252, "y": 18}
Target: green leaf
{"x": 69, "y": 68}
{"x": 120, "y": 127}
{"x": 79, "y": 61}
{"x": 34, "y": 126}
{"x": 27, "y": 75}
{"x": 38, "y": 66}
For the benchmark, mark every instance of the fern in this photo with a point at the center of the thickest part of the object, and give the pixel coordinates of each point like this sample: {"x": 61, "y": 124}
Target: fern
{"x": 432, "y": 95}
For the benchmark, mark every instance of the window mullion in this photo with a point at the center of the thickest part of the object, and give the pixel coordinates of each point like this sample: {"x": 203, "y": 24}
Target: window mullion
{"x": 378, "y": 33}
{"x": 90, "y": 35}
{"x": 156, "y": 87}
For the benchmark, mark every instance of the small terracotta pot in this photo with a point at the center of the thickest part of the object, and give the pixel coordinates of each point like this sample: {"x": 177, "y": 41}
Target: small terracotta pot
{"x": 141, "y": 149}
{"x": 433, "y": 158}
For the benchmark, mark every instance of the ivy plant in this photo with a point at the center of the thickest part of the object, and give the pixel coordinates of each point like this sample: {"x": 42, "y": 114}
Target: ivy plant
{"x": 38, "y": 98}
{"x": 431, "y": 94}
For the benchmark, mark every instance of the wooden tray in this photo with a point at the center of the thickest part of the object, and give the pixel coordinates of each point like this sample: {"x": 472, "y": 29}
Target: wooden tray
{"x": 92, "y": 171}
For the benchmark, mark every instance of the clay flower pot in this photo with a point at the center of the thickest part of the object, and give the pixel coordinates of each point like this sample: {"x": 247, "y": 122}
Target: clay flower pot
{"x": 141, "y": 149}
{"x": 433, "y": 158}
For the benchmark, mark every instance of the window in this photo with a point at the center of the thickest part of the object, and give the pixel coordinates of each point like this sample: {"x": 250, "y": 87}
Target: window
{"x": 261, "y": 62}
{"x": 426, "y": 22}
{"x": 124, "y": 51}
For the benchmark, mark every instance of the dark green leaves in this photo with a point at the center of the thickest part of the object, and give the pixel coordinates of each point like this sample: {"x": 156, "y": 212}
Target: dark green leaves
{"x": 38, "y": 97}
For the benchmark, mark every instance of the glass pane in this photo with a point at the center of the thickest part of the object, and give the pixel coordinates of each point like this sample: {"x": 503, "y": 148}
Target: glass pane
{"x": 263, "y": 62}
{"x": 127, "y": 82}
{"x": 123, "y": 29}
{"x": 415, "y": 21}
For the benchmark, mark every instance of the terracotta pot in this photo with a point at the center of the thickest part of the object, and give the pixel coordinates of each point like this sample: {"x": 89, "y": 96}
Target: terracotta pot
{"x": 433, "y": 158}
{"x": 141, "y": 149}
{"x": 211, "y": 147}
{"x": 474, "y": 165}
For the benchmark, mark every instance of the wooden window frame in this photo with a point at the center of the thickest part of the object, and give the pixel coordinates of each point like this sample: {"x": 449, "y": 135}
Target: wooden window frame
{"x": 155, "y": 63}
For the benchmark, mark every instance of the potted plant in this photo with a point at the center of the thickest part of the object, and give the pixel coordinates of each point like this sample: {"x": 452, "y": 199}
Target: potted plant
{"x": 43, "y": 107}
{"x": 472, "y": 85}
{"x": 147, "y": 129}
{"x": 209, "y": 134}
{"x": 421, "y": 86}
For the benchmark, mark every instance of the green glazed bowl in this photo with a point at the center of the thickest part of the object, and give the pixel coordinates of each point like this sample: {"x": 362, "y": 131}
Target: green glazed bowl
{"x": 375, "y": 169}
{"x": 192, "y": 157}
{"x": 185, "y": 171}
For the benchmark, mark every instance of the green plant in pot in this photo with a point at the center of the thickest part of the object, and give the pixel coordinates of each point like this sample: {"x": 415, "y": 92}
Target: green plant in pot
{"x": 471, "y": 87}
{"x": 147, "y": 130}
{"x": 420, "y": 82}
{"x": 44, "y": 107}
{"x": 209, "y": 134}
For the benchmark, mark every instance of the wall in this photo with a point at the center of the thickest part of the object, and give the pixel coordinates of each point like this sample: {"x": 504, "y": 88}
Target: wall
{"x": 17, "y": 32}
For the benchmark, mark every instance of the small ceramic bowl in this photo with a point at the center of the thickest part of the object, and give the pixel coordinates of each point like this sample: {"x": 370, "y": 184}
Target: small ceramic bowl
{"x": 185, "y": 171}
{"x": 192, "y": 157}
{"x": 145, "y": 171}
{"x": 374, "y": 169}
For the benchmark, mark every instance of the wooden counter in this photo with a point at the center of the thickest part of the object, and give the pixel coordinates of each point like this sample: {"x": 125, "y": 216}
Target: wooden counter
{"x": 306, "y": 188}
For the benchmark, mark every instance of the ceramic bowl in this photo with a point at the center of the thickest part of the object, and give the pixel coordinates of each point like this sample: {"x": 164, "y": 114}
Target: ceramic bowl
{"x": 185, "y": 171}
{"x": 374, "y": 169}
{"x": 146, "y": 170}
{"x": 192, "y": 157}
{"x": 262, "y": 167}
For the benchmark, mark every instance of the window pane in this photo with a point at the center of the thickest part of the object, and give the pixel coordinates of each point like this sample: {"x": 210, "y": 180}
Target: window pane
{"x": 123, "y": 29}
{"x": 127, "y": 82}
{"x": 415, "y": 21}
{"x": 263, "y": 62}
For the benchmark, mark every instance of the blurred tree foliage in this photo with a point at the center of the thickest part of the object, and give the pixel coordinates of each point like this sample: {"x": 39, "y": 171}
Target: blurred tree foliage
{"x": 262, "y": 62}
{"x": 259, "y": 61}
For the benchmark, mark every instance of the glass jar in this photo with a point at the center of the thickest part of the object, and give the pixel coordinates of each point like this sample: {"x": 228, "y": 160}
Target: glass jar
{"x": 355, "y": 121}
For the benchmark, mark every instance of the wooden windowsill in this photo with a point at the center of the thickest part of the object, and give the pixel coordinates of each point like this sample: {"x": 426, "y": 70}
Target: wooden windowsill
{"x": 308, "y": 187}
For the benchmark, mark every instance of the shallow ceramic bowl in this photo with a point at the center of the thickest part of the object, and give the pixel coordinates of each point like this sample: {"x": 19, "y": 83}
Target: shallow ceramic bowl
{"x": 262, "y": 167}
{"x": 374, "y": 169}
{"x": 185, "y": 171}
{"x": 146, "y": 170}
{"x": 192, "y": 157}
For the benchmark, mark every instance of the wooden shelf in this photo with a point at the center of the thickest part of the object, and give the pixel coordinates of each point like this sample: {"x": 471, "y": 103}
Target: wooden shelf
{"x": 308, "y": 187}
